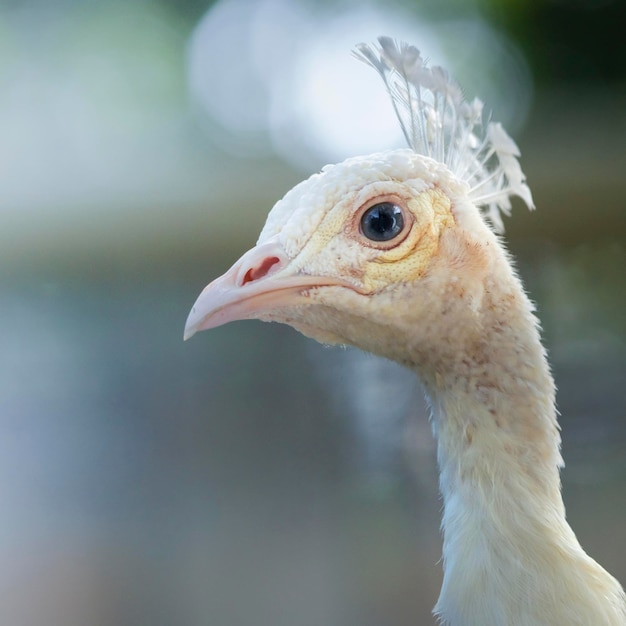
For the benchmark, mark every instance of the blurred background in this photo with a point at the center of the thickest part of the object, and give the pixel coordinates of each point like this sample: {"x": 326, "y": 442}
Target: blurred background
{"x": 251, "y": 476}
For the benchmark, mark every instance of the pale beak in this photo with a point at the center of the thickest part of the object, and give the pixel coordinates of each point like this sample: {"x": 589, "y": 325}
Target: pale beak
{"x": 258, "y": 283}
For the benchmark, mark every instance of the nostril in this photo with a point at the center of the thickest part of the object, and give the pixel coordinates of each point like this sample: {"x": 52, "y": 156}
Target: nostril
{"x": 261, "y": 270}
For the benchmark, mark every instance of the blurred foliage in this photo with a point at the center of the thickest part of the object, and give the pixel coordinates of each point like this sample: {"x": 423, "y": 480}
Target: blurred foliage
{"x": 564, "y": 41}
{"x": 568, "y": 41}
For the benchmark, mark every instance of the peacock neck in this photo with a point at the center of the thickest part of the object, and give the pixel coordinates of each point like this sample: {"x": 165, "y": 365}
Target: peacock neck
{"x": 510, "y": 558}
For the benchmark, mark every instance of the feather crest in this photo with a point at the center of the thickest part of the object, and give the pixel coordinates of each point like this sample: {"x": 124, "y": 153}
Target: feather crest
{"x": 437, "y": 122}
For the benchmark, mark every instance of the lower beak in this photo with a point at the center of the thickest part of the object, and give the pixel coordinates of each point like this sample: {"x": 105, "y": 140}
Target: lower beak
{"x": 258, "y": 283}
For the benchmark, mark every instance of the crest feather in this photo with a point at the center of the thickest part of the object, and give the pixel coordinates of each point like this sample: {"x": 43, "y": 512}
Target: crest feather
{"x": 438, "y": 123}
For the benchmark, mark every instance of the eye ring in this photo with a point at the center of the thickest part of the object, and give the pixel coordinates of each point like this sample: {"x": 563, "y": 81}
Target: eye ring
{"x": 383, "y": 222}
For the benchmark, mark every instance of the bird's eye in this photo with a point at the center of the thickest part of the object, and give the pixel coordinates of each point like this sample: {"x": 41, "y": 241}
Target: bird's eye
{"x": 382, "y": 222}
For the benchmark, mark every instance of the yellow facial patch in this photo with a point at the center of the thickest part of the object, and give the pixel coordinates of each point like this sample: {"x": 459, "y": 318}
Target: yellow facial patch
{"x": 407, "y": 262}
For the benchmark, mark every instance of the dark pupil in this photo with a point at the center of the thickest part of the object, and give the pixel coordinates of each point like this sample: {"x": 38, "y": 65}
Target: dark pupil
{"x": 382, "y": 222}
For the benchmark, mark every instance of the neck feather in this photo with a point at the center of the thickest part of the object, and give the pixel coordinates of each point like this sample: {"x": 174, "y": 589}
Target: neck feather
{"x": 509, "y": 555}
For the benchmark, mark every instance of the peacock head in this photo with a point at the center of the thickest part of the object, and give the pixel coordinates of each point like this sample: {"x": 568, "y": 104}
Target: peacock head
{"x": 369, "y": 248}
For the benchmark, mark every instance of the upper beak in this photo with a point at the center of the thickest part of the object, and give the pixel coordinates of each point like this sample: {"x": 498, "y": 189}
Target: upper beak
{"x": 259, "y": 282}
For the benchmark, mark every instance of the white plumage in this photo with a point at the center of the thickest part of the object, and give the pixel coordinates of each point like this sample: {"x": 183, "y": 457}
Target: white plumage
{"x": 390, "y": 252}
